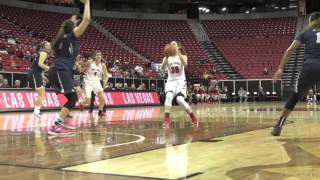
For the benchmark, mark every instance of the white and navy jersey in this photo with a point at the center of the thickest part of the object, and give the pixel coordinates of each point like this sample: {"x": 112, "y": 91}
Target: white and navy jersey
{"x": 35, "y": 68}
{"x": 94, "y": 73}
{"x": 311, "y": 38}
{"x": 68, "y": 50}
{"x": 175, "y": 69}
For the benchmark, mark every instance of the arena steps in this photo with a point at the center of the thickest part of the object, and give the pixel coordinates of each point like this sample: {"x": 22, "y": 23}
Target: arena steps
{"x": 293, "y": 67}
{"x": 222, "y": 65}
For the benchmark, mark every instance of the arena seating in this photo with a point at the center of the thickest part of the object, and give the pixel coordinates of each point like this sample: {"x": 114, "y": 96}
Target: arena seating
{"x": 13, "y": 60}
{"x": 37, "y": 22}
{"x": 249, "y": 45}
{"x": 29, "y": 22}
{"x": 149, "y": 37}
{"x": 252, "y": 45}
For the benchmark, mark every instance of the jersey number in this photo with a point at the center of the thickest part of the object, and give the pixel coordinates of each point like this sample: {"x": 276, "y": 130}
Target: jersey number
{"x": 318, "y": 37}
{"x": 175, "y": 69}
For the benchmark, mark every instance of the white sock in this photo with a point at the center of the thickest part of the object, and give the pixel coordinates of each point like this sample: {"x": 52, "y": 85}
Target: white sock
{"x": 37, "y": 110}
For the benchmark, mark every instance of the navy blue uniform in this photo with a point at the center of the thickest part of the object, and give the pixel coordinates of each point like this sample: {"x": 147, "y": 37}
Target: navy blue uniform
{"x": 35, "y": 74}
{"x": 310, "y": 72}
{"x": 61, "y": 72}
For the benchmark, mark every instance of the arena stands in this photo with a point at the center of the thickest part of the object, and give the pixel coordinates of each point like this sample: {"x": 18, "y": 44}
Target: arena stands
{"x": 252, "y": 45}
{"x": 27, "y": 23}
{"x": 149, "y": 37}
{"x": 249, "y": 45}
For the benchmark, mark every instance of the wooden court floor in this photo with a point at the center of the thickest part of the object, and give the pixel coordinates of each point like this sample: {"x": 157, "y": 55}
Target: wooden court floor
{"x": 232, "y": 142}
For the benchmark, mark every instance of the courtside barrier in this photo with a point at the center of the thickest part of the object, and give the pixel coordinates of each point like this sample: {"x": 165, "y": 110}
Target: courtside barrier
{"x": 22, "y": 100}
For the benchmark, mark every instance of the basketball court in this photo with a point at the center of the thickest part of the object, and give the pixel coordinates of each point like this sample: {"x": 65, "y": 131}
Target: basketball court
{"x": 233, "y": 141}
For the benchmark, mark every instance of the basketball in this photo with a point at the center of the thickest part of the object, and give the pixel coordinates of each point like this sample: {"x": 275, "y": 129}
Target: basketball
{"x": 170, "y": 50}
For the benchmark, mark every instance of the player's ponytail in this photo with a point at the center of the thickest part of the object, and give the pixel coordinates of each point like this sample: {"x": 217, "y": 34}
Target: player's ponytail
{"x": 181, "y": 48}
{"x": 314, "y": 21}
{"x": 40, "y": 47}
{"x": 66, "y": 27}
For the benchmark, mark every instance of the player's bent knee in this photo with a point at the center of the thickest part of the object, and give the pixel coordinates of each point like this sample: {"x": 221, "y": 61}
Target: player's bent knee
{"x": 180, "y": 98}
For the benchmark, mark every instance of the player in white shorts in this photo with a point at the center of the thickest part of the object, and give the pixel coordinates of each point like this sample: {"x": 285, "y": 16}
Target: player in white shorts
{"x": 95, "y": 70}
{"x": 176, "y": 86}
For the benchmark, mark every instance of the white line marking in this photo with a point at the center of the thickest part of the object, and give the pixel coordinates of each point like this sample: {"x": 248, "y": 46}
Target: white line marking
{"x": 141, "y": 138}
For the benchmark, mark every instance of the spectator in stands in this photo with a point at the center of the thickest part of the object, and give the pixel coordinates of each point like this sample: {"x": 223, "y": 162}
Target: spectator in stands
{"x": 118, "y": 73}
{"x": 242, "y": 95}
{"x": 148, "y": 74}
{"x": 119, "y": 86}
{"x": 110, "y": 87}
{"x": 19, "y": 52}
{"x": 107, "y": 88}
{"x": 126, "y": 74}
{"x": 164, "y": 74}
{"x": 11, "y": 40}
{"x": 8, "y": 34}
{"x": 153, "y": 87}
{"x": 4, "y": 52}
{"x": 140, "y": 88}
{"x": 311, "y": 97}
{"x": 139, "y": 71}
{"x": 17, "y": 84}
{"x": 110, "y": 64}
{"x": 126, "y": 66}
{"x": 144, "y": 87}
{"x": 125, "y": 87}
{"x": 261, "y": 93}
{"x": 133, "y": 87}
{"x": 117, "y": 64}
{"x": 1, "y": 79}
{"x": 225, "y": 94}
{"x": 133, "y": 74}
{"x": 1, "y": 65}
{"x": 3, "y": 33}
{"x": 5, "y": 84}
{"x": 116, "y": 69}
{"x": 34, "y": 43}
{"x": 159, "y": 75}
{"x": 206, "y": 77}
{"x": 28, "y": 56}
{"x": 109, "y": 74}
{"x": 265, "y": 71}
{"x": 197, "y": 92}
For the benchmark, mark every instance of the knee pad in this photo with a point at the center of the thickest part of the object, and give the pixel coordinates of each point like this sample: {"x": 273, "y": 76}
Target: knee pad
{"x": 72, "y": 100}
{"x": 169, "y": 98}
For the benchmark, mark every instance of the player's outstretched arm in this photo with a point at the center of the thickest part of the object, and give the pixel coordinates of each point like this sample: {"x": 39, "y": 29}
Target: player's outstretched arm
{"x": 105, "y": 75}
{"x": 164, "y": 64}
{"x": 79, "y": 30}
{"x": 183, "y": 58}
{"x": 295, "y": 45}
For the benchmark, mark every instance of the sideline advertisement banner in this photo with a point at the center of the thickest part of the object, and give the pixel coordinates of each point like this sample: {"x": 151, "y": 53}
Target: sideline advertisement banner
{"x": 24, "y": 100}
